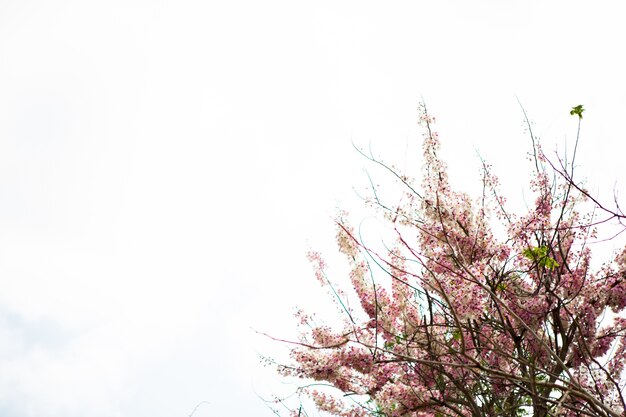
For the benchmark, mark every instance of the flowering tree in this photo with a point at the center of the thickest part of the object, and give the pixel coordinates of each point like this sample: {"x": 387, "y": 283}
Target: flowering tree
{"x": 454, "y": 321}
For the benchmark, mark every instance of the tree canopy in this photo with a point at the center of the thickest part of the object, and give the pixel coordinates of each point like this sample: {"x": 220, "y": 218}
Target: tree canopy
{"x": 454, "y": 319}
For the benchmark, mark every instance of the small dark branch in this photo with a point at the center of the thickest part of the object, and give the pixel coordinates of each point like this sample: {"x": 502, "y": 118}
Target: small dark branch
{"x": 532, "y": 136}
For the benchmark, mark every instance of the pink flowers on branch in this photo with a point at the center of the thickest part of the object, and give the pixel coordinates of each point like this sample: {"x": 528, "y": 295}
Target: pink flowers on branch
{"x": 452, "y": 321}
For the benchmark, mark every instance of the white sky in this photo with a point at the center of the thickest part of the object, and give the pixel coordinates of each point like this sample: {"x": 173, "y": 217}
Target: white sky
{"x": 165, "y": 165}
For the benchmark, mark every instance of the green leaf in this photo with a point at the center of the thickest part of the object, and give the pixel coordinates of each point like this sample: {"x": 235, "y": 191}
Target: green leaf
{"x": 549, "y": 263}
{"x": 578, "y": 111}
{"x": 533, "y": 253}
{"x": 540, "y": 255}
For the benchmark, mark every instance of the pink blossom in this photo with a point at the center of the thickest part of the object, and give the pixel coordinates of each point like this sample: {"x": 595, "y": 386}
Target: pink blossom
{"x": 453, "y": 321}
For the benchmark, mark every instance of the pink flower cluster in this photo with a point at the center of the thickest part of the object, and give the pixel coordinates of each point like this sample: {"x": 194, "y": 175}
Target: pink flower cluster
{"x": 453, "y": 321}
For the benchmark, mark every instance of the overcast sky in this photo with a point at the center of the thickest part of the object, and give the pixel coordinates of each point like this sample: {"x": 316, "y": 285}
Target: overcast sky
{"x": 164, "y": 166}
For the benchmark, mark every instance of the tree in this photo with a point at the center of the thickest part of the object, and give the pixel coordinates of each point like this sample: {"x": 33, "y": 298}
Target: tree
{"x": 453, "y": 320}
